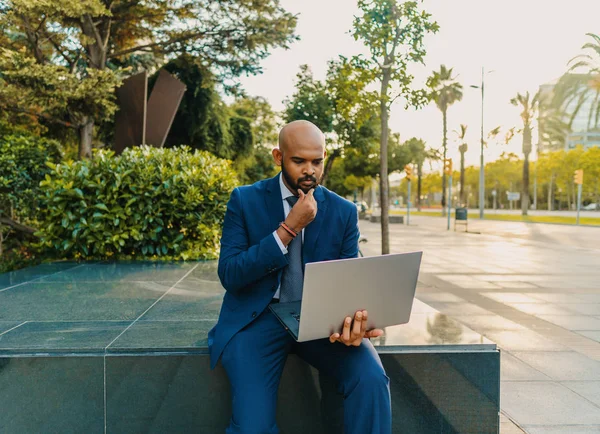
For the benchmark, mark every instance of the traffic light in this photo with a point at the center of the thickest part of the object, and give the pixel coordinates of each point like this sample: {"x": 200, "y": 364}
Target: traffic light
{"x": 408, "y": 170}
{"x": 578, "y": 177}
{"x": 448, "y": 166}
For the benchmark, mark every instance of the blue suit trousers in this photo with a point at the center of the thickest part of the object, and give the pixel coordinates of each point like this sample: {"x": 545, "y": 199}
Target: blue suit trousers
{"x": 254, "y": 359}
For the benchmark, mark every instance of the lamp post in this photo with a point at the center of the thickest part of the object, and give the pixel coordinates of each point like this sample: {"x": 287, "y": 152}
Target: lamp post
{"x": 481, "y": 166}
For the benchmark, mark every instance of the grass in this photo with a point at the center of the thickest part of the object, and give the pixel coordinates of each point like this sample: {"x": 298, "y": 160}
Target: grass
{"x": 585, "y": 221}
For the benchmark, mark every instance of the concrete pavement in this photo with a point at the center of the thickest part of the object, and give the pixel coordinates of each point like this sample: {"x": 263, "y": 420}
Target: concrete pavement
{"x": 555, "y": 234}
{"x": 533, "y": 291}
{"x": 532, "y": 212}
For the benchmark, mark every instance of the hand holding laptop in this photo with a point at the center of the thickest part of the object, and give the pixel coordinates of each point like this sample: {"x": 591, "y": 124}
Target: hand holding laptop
{"x": 353, "y": 333}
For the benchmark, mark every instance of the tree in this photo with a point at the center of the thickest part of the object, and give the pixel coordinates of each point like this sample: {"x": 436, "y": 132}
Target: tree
{"x": 393, "y": 31}
{"x": 575, "y": 91}
{"x": 419, "y": 155}
{"x": 262, "y": 118}
{"x": 529, "y": 108}
{"x": 445, "y": 91}
{"x": 339, "y": 106}
{"x": 65, "y": 58}
{"x": 355, "y": 109}
{"x": 503, "y": 174}
{"x": 553, "y": 129}
{"x": 462, "y": 148}
{"x": 259, "y": 164}
{"x": 311, "y": 102}
{"x": 203, "y": 120}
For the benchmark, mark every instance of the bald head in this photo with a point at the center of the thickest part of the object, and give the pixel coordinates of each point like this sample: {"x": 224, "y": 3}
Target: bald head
{"x": 300, "y": 154}
{"x": 298, "y": 133}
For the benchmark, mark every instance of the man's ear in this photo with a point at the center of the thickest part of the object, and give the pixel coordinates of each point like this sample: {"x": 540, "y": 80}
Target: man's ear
{"x": 277, "y": 156}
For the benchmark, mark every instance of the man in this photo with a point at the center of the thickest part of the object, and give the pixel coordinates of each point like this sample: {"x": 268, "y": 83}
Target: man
{"x": 271, "y": 229}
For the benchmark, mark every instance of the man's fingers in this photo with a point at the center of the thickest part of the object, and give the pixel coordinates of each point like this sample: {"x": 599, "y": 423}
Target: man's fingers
{"x": 375, "y": 333}
{"x": 301, "y": 194}
{"x": 357, "y": 324}
{"x": 346, "y": 330}
{"x": 334, "y": 337}
{"x": 363, "y": 327}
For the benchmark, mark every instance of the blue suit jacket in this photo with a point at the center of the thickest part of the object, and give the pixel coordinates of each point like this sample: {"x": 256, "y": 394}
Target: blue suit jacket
{"x": 251, "y": 262}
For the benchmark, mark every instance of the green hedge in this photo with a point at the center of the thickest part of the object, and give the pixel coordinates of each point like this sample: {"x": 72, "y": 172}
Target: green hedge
{"x": 146, "y": 203}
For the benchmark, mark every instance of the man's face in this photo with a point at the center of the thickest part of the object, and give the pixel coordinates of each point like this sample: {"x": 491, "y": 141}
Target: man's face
{"x": 301, "y": 173}
{"x": 300, "y": 154}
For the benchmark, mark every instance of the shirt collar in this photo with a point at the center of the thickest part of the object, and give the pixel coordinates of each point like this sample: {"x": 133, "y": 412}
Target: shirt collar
{"x": 285, "y": 192}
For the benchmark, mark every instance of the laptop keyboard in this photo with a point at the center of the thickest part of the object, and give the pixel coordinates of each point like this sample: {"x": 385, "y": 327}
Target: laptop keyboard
{"x": 296, "y": 316}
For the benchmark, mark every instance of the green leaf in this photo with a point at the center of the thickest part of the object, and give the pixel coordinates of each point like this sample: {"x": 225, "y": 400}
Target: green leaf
{"x": 101, "y": 206}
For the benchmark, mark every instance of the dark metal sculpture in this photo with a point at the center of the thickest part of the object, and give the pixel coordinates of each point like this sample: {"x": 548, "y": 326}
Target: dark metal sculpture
{"x": 142, "y": 121}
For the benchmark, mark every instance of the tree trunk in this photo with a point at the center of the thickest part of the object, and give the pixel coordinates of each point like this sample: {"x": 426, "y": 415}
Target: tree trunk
{"x": 550, "y": 193}
{"x": 383, "y": 174}
{"x": 86, "y": 132}
{"x": 328, "y": 166}
{"x": 97, "y": 33}
{"x": 462, "y": 179}
{"x": 445, "y": 147}
{"x": 525, "y": 192}
{"x": 419, "y": 183}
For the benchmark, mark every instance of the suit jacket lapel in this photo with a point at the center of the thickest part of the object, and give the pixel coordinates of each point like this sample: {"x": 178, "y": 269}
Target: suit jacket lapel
{"x": 311, "y": 232}
{"x": 274, "y": 203}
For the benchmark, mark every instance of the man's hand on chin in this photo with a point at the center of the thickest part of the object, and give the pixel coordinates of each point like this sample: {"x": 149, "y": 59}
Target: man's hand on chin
{"x": 353, "y": 333}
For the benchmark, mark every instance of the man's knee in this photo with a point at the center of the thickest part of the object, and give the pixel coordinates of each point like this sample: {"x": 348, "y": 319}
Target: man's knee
{"x": 253, "y": 412}
{"x": 252, "y": 425}
{"x": 370, "y": 380}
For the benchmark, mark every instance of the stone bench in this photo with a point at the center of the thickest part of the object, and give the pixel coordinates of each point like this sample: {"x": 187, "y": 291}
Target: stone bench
{"x": 81, "y": 350}
{"x": 393, "y": 219}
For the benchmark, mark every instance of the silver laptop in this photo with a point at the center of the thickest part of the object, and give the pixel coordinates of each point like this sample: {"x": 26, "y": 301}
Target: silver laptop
{"x": 383, "y": 285}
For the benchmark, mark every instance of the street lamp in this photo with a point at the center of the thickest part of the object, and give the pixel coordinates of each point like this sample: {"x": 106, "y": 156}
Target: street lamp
{"x": 481, "y": 167}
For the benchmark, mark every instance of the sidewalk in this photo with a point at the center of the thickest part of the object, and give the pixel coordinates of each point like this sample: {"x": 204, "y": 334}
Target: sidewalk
{"x": 540, "y": 302}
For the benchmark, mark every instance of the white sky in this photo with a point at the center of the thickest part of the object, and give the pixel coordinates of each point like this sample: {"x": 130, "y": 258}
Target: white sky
{"x": 526, "y": 43}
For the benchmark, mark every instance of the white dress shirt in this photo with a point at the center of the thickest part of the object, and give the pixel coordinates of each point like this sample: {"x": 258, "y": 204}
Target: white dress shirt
{"x": 285, "y": 193}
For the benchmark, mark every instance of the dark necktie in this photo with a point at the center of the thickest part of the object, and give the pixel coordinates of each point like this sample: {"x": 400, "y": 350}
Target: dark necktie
{"x": 292, "y": 278}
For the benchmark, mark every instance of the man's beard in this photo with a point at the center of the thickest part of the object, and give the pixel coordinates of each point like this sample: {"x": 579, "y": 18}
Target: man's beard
{"x": 295, "y": 185}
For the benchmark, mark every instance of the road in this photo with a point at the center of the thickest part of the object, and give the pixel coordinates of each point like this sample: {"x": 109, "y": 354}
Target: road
{"x": 534, "y": 289}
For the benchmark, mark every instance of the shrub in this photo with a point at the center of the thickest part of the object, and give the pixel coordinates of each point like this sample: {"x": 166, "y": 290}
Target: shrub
{"x": 145, "y": 203}
{"x": 22, "y": 166}
{"x": 23, "y": 160}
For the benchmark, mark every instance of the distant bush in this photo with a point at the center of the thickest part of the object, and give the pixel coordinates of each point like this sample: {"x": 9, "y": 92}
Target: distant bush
{"x": 22, "y": 166}
{"x": 145, "y": 203}
{"x": 23, "y": 158}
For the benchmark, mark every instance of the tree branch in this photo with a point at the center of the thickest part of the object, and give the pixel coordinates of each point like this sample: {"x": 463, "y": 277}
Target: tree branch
{"x": 40, "y": 115}
{"x": 17, "y": 226}
{"x": 58, "y": 48}
{"x": 33, "y": 40}
{"x": 154, "y": 44}
{"x": 94, "y": 30}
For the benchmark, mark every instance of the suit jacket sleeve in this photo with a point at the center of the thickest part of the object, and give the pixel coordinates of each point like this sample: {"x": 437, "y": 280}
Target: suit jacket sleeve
{"x": 239, "y": 263}
{"x": 351, "y": 235}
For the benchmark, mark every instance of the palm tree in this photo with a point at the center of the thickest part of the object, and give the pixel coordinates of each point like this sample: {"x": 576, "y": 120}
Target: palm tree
{"x": 419, "y": 155}
{"x": 574, "y": 90}
{"x": 529, "y": 108}
{"x": 445, "y": 91}
{"x": 462, "y": 149}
